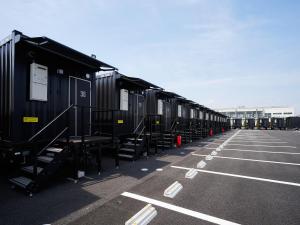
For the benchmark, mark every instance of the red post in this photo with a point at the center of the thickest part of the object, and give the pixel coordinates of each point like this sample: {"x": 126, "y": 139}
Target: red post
{"x": 178, "y": 141}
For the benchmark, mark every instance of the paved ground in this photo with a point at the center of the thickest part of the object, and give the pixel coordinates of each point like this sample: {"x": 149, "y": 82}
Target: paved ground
{"x": 255, "y": 179}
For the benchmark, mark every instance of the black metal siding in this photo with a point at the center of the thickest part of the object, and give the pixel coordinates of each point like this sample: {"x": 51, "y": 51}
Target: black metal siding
{"x": 108, "y": 97}
{"x": 6, "y": 84}
{"x": 58, "y": 92}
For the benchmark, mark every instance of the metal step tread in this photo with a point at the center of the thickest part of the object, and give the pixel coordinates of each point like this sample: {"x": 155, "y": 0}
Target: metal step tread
{"x": 21, "y": 181}
{"x": 167, "y": 146}
{"x": 133, "y": 139}
{"x": 29, "y": 169}
{"x": 127, "y": 149}
{"x": 125, "y": 156}
{"x": 53, "y": 149}
{"x": 45, "y": 159}
{"x": 165, "y": 142}
{"x": 131, "y": 144}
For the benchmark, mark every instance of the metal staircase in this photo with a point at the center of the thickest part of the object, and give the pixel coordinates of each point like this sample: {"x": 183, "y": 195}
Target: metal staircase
{"x": 33, "y": 176}
{"x": 132, "y": 147}
{"x": 166, "y": 140}
{"x": 45, "y": 163}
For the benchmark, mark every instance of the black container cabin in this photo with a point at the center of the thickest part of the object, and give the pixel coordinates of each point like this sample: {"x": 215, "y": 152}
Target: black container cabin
{"x": 46, "y": 93}
{"x": 182, "y": 115}
{"x": 206, "y": 121}
{"x": 201, "y": 120}
{"x": 222, "y": 122}
{"x": 159, "y": 103}
{"x": 161, "y": 117}
{"x": 237, "y": 123}
{"x": 195, "y": 122}
{"x": 265, "y": 123}
{"x": 218, "y": 120}
{"x": 126, "y": 96}
{"x": 211, "y": 122}
{"x": 293, "y": 122}
{"x": 277, "y": 123}
{"x": 250, "y": 123}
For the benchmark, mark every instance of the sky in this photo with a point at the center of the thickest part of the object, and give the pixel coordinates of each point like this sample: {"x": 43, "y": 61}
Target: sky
{"x": 219, "y": 53}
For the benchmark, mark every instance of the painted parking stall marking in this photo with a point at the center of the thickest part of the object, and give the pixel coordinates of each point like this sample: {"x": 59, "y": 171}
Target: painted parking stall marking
{"x": 267, "y": 146}
{"x": 179, "y": 209}
{"x": 264, "y": 142}
{"x": 254, "y": 160}
{"x": 249, "y": 150}
{"x": 241, "y": 176}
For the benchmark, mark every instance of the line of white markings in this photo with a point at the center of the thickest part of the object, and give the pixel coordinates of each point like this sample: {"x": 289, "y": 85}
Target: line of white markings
{"x": 178, "y": 209}
{"x": 267, "y": 146}
{"x": 249, "y": 150}
{"x": 254, "y": 160}
{"x": 265, "y": 142}
{"x": 240, "y": 176}
{"x": 256, "y": 139}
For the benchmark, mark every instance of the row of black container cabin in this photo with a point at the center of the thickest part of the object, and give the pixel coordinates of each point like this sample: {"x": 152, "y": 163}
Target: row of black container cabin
{"x": 56, "y": 114}
{"x": 266, "y": 123}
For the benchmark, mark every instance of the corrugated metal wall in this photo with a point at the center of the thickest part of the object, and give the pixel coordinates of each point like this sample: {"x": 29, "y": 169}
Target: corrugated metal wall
{"x": 6, "y": 85}
{"x": 58, "y": 92}
{"x": 108, "y": 97}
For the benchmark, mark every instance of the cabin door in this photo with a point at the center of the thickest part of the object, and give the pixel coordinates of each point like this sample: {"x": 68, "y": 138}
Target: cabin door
{"x": 80, "y": 95}
{"x": 139, "y": 111}
{"x": 167, "y": 115}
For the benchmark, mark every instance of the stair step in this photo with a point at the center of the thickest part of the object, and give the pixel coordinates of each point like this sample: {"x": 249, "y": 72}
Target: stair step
{"x": 126, "y": 156}
{"x": 45, "y": 159}
{"x": 29, "y": 169}
{"x": 55, "y": 150}
{"x": 133, "y": 139}
{"x": 21, "y": 181}
{"x": 165, "y": 142}
{"x": 127, "y": 149}
{"x": 131, "y": 144}
{"x": 165, "y": 146}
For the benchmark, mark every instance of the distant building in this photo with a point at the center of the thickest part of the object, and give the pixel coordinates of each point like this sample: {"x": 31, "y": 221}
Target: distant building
{"x": 257, "y": 112}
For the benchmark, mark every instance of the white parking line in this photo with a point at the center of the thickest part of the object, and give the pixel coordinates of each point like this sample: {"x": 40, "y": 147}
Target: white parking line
{"x": 256, "y": 139}
{"x": 254, "y": 160}
{"x": 178, "y": 209}
{"x": 267, "y": 146}
{"x": 248, "y": 150}
{"x": 241, "y": 176}
{"x": 264, "y": 142}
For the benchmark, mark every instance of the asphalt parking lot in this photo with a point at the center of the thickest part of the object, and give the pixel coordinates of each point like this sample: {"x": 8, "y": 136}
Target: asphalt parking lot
{"x": 254, "y": 179}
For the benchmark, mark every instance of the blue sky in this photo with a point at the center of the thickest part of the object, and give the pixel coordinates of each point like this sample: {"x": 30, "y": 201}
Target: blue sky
{"x": 220, "y": 53}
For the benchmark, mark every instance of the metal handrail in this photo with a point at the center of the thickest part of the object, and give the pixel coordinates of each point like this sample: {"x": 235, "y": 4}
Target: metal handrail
{"x": 51, "y": 122}
{"x": 53, "y": 140}
{"x": 140, "y": 123}
{"x": 141, "y": 132}
{"x": 174, "y": 125}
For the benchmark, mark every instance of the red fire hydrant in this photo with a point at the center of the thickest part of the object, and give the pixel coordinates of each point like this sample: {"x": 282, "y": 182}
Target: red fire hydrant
{"x": 178, "y": 141}
{"x": 211, "y": 133}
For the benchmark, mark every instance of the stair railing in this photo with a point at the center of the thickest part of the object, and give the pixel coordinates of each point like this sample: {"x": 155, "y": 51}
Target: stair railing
{"x": 50, "y": 123}
{"x": 66, "y": 129}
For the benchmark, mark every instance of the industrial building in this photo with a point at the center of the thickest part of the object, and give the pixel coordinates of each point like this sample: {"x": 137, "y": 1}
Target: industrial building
{"x": 258, "y": 112}
{"x": 258, "y": 117}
